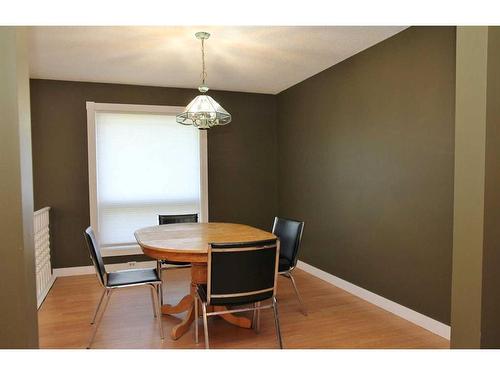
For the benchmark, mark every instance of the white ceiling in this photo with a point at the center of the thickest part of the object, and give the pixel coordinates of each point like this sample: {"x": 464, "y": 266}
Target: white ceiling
{"x": 242, "y": 58}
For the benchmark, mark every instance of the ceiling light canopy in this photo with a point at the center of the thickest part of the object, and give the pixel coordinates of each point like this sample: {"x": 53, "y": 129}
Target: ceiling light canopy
{"x": 203, "y": 111}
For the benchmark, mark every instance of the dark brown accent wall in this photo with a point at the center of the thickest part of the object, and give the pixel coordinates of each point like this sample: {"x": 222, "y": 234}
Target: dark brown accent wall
{"x": 366, "y": 158}
{"x": 241, "y": 157}
{"x": 490, "y": 323}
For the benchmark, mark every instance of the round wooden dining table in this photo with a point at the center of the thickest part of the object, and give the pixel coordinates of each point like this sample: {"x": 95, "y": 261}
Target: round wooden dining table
{"x": 189, "y": 242}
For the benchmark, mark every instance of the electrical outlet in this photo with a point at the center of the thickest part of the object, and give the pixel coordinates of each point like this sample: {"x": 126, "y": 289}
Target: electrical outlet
{"x": 132, "y": 264}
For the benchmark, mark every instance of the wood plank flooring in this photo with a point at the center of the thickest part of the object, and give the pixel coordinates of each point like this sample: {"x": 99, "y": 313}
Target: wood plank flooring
{"x": 336, "y": 319}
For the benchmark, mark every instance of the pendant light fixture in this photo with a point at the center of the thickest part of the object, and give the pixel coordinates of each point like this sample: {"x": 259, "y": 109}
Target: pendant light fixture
{"x": 203, "y": 112}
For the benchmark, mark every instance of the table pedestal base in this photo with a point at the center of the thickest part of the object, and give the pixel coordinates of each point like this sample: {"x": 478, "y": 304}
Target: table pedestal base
{"x": 198, "y": 276}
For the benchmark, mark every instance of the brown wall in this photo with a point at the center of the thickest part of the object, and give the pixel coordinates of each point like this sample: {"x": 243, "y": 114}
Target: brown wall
{"x": 241, "y": 156}
{"x": 490, "y": 323}
{"x": 366, "y": 156}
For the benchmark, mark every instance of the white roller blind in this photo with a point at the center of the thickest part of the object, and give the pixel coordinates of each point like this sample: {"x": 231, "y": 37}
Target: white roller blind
{"x": 146, "y": 165}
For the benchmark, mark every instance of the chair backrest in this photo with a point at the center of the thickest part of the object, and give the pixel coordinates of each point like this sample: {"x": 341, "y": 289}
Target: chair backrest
{"x": 95, "y": 255}
{"x": 289, "y": 233}
{"x": 177, "y": 219}
{"x": 241, "y": 273}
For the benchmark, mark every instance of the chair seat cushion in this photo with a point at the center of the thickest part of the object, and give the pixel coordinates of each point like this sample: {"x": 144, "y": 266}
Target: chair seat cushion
{"x": 230, "y": 301}
{"x": 284, "y": 265}
{"x": 130, "y": 277}
{"x": 174, "y": 263}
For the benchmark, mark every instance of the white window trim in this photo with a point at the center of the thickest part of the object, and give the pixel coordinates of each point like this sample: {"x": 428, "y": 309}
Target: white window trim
{"x": 92, "y": 109}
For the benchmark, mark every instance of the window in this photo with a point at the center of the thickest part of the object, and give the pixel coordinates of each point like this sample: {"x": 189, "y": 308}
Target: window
{"x": 142, "y": 163}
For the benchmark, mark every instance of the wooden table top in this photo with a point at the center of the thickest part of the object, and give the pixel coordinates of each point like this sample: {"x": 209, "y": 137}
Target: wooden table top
{"x": 189, "y": 241}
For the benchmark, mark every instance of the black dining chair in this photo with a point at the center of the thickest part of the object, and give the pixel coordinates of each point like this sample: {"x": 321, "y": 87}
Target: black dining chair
{"x": 239, "y": 274}
{"x": 112, "y": 281}
{"x": 289, "y": 233}
{"x": 163, "y": 264}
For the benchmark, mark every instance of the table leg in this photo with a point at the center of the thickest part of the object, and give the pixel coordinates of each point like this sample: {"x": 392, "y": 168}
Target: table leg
{"x": 181, "y": 328}
{"x": 240, "y": 321}
{"x": 183, "y": 305}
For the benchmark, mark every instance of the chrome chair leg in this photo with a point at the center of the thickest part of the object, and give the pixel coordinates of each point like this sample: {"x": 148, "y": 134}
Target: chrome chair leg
{"x": 159, "y": 271}
{"x": 196, "y": 320}
{"x": 161, "y": 293}
{"x": 302, "y": 307}
{"x": 98, "y": 306}
{"x": 257, "y": 318}
{"x": 103, "y": 310}
{"x": 277, "y": 322}
{"x": 205, "y": 324}
{"x": 153, "y": 297}
{"x": 254, "y": 316}
{"x": 156, "y": 307}
{"x": 160, "y": 313}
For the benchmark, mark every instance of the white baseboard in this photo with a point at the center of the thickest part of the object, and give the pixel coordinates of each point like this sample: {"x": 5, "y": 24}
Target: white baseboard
{"x": 87, "y": 270}
{"x": 73, "y": 271}
{"x": 42, "y": 296}
{"x": 415, "y": 317}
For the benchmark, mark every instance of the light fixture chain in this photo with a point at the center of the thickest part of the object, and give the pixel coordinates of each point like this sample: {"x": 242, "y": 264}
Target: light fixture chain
{"x": 204, "y": 73}
{"x": 203, "y": 112}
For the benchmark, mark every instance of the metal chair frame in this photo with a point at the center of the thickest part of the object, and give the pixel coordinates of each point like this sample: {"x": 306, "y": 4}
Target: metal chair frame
{"x": 106, "y": 296}
{"x": 288, "y": 273}
{"x": 256, "y": 306}
{"x": 161, "y": 269}
{"x": 108, "y": 291}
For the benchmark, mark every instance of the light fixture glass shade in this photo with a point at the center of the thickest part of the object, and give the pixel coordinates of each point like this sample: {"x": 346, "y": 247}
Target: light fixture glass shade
{"x": 203, "y": 112}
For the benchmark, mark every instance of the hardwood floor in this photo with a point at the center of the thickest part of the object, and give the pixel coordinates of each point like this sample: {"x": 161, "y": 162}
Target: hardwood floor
{"x": 336, "y": 319}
